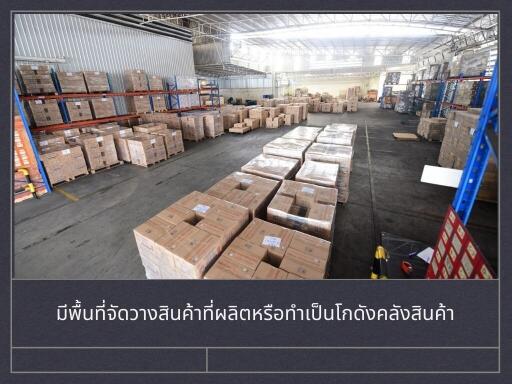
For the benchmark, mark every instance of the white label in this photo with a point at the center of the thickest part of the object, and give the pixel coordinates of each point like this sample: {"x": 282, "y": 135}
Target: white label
{"x": 96, "y": 73}
{"x": 122, "y": 133}
{"x": 141, "y": 97}
{"x": 34, "y": 67}
{"x": 38, "y": 101}
{"x": 308, "y": 190}
{"x": 77, "y": 103}
{"x": 43, "y": 143}
{"x": 66, "y": 151}
{"x": 271, "y": 241}
{"x": 99, "y": 139}
{"x": 103, "y": 99}
{"x": 69, "y": 73}
{"x": 472, "y": 131}
{"x": 246, "y": 181}
{"x": 455, "y": 124}
{"x": 152, "y": 141}
{"x": 201, "y": 208}
{"x": 138, "y": 71}
{"x": 67, "y": 133}
{"x": 173, "y": 134}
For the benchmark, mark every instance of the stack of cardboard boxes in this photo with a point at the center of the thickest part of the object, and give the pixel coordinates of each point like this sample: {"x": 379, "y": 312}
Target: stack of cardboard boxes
{"x": 159, "y": 103}
{"x": 305, "y": 207}
{"x": 173, "y": 140}
{"x": 336, "y": 137}
{"x": 185, "y": 239}
{"x": 268, "y": 251}
{"x": 45, "y": 112}
{"x": 303, "y": 132}
{"x": 96, "y": 81}
{"x": 155, "y": 83}
{"x": 192, "y": 127}
{"x": 63, "y": 162}
{"x": 213, "y": 125}
{"x": 432, "y": 128}
{"x": 36, "y": 79}
{"x": 460, "y": 127}
{"x": 146, "y": 149}
{"x": 135, "y": 80}
{"x": 139, "y": 104}
{"x": 284, "y": 147}
{"x": 259, "y": 113}
{"x": 318, "y": 173}
{"x": 72, "y": 82}
{"x": 250, "y": 191}
{"x": 336, "y": 154}
{"x": 99, "y": 149}
{"x": 240, "y": 128}
{"x": 275, "y": 122}
{"x": 103, "y": 107}
{"x": 272, "y": 167}
{"x": 79, "y": 110}
{"x": 171, "y": 119}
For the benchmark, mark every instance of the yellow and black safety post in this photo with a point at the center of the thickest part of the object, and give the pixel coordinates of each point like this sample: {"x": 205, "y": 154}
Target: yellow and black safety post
{"x": 379, "y": 267}
{"x": 29, "y": 187}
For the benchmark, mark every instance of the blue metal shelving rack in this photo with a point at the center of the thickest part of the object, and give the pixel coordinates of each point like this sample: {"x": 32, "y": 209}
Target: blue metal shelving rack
{"x": 484, "y": 145}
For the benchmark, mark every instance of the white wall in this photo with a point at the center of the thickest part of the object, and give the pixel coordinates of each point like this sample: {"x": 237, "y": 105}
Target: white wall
{"x": 336, "y": 86}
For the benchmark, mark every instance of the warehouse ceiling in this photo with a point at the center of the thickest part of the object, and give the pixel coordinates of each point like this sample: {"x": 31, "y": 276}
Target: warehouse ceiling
{"x": 316, "y": 42}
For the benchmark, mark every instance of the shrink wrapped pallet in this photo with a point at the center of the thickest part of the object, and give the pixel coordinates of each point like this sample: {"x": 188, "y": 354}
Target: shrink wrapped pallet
{"x": 273, "y": 167}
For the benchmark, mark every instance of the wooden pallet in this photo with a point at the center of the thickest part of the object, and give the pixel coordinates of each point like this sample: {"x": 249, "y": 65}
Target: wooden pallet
{"x": 218, "y": 135}
{"x": 240, "y": 131}
{"x": 69, "y": 179}
{"x": 405, "y": 136}
{"x": 93, "y": 171}
{"x": 174, "y": 154}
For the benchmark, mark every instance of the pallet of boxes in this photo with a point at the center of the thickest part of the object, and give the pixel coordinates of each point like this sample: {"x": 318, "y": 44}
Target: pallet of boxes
{"x": 352, "y": 99}
{"x": 459, "y": 129}
{"x": 222, "y": 234}
{"x": 432, "y": 128}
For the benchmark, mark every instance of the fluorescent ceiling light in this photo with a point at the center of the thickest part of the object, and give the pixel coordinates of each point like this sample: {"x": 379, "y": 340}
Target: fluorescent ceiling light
{"x": 352, "y": 31}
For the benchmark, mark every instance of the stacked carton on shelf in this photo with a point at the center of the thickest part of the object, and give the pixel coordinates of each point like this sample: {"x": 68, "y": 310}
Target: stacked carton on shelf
{"x": 155, "y": 83}
{"x": 96, "y": 81}
{"x": 71, "y": 82}
{"x": 139, "y": 104}
{"x": 79, "y": 110}
{"x": 103, "y": 107}
{"x": 45, "y": 112}
{"x": 36, "y": 79}
{"x": 135, "y": 80}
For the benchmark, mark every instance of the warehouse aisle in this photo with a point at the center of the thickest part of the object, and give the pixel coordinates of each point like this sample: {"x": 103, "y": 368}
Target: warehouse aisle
{"x": 84, "y": 230}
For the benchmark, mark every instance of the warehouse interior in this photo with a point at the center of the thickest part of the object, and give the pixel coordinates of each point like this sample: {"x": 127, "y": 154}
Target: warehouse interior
{"x": 352, "y": 131}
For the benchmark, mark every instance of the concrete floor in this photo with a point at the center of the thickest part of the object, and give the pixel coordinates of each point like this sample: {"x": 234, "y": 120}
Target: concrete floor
{"x": 92, "y": 238}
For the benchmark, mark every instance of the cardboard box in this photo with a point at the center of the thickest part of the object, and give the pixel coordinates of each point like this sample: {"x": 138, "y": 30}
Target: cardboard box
{"x": 336, "y": 127}
{"x": 192, "y": 127}
{"x": 266, "y": 271}
{"x": 71, "y": 82}
{"x": 307, "y": 257}
{"x": 229, "y": 120}
{"x": 305, "y": 207}
{"x": 36, "y": 79}
{"x": 315, "y": 172}
{"x": 239, "y": 128}
{"x": 338, "y": 138}
{"x": 139, "y": 104}
{"x": 259, "y": 113}
{"x": 150, "y": 127}
{"x": 336, "y": 154}
{"x": 79, "y": 110}
{"x": 242, "y": 114}
{"x": 155, "y": 83}
{"x": 121, "y": 136}
{"x": 250, "y": 191}
{"x": 185, "y": 239}
{"x": 159, "y": 103}
{"x": 432, "y": 128}
{"x": 172, "y": 120}
{"x": 252, "y": 123}
{"x": 63, "y": 162}
{"x": 103, "y": 107}
{"x": 99, "y": 149}
{"x": 459, "y": 129}
{"x": 288, "y": 119}
{"x": 96, "y": 81}
{"x": 297, "y": 111}
{"x": 213, "y": 125}
{"x": 135, "y": 80}
{"x": 326, "y": 107}
{"x": 173, "y": 141}
{"x": 45, "y": 112}
{"x": 239, "y": 261}
{"x": 272, "y": 167}
{"x": 67, "y": 133}
{"x": 146, "y": 149}
{"x": 292, "y": 251}
{"x": 285, "y": 147}
{"x": 48, "y": 140}
{"x": 303, "y": 132}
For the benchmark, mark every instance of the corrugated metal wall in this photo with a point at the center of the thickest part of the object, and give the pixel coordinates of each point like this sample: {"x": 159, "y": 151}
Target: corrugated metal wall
{"x": 88, "y": 44}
